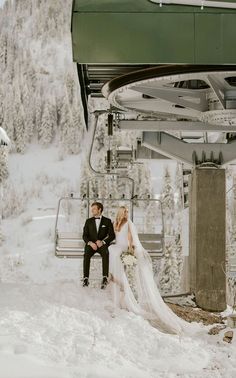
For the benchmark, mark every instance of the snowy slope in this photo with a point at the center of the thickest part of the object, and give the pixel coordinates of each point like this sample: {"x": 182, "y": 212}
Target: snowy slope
{"x": 37, "y": 180}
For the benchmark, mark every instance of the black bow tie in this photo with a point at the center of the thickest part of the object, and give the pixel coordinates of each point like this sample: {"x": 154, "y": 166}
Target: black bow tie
{"x": 97, "y": 217}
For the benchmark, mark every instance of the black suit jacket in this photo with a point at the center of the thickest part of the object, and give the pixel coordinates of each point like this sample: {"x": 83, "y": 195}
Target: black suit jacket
{"x": 105, "y": 232}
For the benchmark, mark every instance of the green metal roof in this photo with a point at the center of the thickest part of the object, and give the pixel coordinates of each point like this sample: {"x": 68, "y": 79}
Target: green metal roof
{"x": 139, "y": 31}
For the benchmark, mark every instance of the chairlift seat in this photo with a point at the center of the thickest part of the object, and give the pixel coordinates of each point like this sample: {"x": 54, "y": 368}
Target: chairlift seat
{"x": 124, "y": 155}
{"x": 152, "y": 243}
{"x": 71, "y": 244}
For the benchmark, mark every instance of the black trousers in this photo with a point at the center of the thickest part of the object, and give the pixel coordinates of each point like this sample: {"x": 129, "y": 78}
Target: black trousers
{"x": 89, "y": 252}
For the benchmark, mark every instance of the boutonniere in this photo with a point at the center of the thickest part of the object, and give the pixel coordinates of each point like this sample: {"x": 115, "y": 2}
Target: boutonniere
{"x": 103, "y": 225}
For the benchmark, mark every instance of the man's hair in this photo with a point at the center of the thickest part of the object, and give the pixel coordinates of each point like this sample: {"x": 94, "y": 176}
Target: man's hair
{"x": 99, "y": 205}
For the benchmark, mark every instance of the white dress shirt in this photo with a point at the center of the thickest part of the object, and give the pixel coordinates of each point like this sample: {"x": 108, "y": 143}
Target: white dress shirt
{"x": 97, "y": 221}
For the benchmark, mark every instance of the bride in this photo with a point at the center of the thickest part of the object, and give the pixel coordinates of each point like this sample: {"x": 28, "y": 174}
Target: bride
{"x": 145, "y": 299}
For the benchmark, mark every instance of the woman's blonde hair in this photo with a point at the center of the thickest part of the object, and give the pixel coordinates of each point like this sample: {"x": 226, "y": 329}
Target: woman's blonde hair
{"x": 120, "y": 218}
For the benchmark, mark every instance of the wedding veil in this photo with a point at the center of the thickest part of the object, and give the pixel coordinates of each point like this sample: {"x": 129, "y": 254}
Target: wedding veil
{"x": 148, "y": 296}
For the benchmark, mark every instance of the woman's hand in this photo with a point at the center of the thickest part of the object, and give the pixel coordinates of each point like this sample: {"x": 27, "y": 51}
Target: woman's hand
{"x": 131, "y": 249}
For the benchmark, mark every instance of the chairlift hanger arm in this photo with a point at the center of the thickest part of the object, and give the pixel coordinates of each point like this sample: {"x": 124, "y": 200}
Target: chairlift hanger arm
{"x": 96, "y": 115}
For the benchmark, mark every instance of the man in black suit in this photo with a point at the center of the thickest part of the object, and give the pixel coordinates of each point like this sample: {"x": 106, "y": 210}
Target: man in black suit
{"x": 98, "y": 234}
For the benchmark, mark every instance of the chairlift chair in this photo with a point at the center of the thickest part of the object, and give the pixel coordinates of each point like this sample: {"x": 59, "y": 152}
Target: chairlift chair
{"x": 69, "y": 242}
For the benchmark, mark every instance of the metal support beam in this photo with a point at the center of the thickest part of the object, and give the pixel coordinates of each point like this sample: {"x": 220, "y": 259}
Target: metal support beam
{"x": 218, "y": 90}
{"x": 175, "y": 148}
{"x": 143, "y": 153}
{"x": 177, "y": 96}
{"x": 145, "y": 125}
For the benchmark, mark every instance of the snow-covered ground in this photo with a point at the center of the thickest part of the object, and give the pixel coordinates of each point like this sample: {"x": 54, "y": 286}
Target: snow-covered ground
{"x": 51, "y": 327}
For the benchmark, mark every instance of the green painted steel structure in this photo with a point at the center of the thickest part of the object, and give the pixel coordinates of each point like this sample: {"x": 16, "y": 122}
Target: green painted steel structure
{"x": 138, "y": 31}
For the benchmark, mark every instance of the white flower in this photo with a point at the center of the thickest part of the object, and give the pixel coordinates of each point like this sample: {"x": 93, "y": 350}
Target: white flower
{"x": 128, "y": 259}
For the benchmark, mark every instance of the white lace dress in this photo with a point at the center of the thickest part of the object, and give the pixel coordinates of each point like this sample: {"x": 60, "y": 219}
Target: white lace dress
{"x": 146, "y": 301}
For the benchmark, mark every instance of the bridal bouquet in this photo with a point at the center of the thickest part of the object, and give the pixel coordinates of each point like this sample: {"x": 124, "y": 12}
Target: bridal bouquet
{"x": 130, "y": 261}
{"x": 128, "y": 258}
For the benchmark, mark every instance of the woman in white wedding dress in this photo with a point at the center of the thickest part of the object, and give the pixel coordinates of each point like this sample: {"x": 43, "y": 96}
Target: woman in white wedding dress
{"x": 146, "y": 300}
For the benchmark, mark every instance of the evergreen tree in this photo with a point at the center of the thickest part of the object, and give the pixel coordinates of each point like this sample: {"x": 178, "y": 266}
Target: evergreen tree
{"x": 70, "y": 84}
{"x": 19, "y": 122}
{"x": 3, "y": 163}
{"x": 29, "y": 115}
{"x": 38, "y": 113}
{"x": 3, "y": 52}
{"x": 179, "y": 187}
{"x": 11, "y": 54}
{"x": 67, "y": 132}
{"x": 8, "y": 111}
{"x": 77, "y": 134}
{"x": 170, "y": 278}
{"x": 1, "y": 110}
{"x": 167, "y": 199}
{"x": 46, "y": 129}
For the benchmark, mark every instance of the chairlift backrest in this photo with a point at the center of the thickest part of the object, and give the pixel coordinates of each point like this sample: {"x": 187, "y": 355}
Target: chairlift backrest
{"x": 71, "y": 209}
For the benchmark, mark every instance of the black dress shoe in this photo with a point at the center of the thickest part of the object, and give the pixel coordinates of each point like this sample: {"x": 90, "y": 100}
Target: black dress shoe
{"x": 104, "y": 283}
{"x": 85, "y": 282}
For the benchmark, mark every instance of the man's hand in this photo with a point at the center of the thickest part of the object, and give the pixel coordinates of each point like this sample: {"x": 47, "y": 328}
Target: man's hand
{"x": 93, "y": 246}
{"x": 99, "y": 243}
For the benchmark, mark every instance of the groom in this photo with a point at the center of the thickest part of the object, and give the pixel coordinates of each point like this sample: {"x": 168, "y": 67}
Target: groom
{"x": 98, "y": 234}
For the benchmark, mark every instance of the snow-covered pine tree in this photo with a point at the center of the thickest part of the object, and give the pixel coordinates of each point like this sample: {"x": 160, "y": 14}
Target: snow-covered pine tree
{"x": 53, "y": 112}
{"x": 179, "y": 188}
{"x": 168, "y": 204}
{"x": 179, "y": 220}
{"x": 38, "y": 113}
{"x": 66, "y": 125}
{"x": 100, "y": 136}
{"x": 178, "y": 249}
{"x": 3, "y": 51}
{"x": 11, "y": 56}
{"x": 46, "y": 126}
{"x": 169, "y": 280}
{"x": 78, "y": 129}
{"x": 8, "y": 110}
{"x": 3, "y": 163}
{"x": 70, "y": 85}
{"x": 32, "y": 78}
{"x": 29, "y": 112}
{"x": 1, "y": 109}
{"x": 19, "y": 122}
